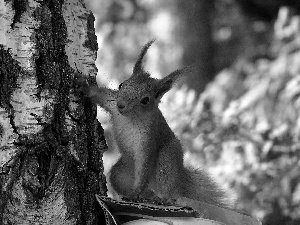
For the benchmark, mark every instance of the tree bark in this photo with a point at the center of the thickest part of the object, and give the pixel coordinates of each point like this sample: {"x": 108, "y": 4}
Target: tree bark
{"x": 51, "y": 144}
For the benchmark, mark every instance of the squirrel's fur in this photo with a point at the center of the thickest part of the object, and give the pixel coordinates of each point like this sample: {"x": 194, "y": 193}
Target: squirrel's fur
{"x": 151, "y": 156}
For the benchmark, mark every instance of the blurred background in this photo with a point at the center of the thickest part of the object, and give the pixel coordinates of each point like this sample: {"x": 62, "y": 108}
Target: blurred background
{"x": 237, "y": 112}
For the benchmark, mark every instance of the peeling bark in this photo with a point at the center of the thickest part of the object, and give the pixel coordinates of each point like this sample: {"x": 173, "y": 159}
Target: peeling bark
{"x": 51, "y": 144}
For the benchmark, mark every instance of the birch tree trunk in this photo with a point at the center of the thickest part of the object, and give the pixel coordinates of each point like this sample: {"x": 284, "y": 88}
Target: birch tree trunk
{"x": 51, "y": 144}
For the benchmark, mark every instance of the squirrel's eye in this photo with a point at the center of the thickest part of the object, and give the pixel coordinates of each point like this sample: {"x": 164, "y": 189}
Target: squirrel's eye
{"x": 120, "y": 85}
{"x": 145, "y": 100}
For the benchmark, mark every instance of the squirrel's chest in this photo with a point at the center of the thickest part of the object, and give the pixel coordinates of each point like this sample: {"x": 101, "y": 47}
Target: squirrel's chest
{"x": 130, "y": 135}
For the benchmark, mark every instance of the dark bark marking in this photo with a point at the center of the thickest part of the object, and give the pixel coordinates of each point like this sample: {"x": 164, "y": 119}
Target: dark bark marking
{"x": 9, "y": 72}
{"x": 91, "y": 42}
{"x": 19, "y": 6}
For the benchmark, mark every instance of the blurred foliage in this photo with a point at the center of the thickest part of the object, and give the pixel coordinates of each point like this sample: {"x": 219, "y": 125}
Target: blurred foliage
{"x": 123, "y": 26}
{"x": 244, "y": 128}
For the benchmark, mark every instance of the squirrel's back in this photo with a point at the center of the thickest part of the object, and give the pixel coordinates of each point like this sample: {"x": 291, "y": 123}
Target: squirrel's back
{"x": 183, "y": 181}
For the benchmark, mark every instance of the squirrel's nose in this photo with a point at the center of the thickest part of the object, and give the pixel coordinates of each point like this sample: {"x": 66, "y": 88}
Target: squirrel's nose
{"x": 121, "y": 105}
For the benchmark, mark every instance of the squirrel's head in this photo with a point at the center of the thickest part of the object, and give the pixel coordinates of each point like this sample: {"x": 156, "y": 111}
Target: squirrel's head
{"x": 142, "y": 93}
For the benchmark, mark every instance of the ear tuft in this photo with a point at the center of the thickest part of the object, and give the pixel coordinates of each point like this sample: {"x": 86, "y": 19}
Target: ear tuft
{"x": 138, "y": 67}
{"x": 166, "y": 83}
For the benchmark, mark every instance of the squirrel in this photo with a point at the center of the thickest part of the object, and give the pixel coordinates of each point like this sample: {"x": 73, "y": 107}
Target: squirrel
{"x": 151, "y": 158}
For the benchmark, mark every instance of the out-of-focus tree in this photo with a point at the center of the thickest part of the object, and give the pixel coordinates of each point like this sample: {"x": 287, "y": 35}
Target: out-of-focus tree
{"x": 194, "y": 33}
{"x": 266, "y": 10}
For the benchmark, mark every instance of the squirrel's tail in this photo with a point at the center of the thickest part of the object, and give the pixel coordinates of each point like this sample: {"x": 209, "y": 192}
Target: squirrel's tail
{"x": 197, "y": 185}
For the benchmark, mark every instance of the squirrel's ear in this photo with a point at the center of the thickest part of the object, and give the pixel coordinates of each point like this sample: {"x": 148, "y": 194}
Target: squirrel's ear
{"x": 166, "y": 83}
